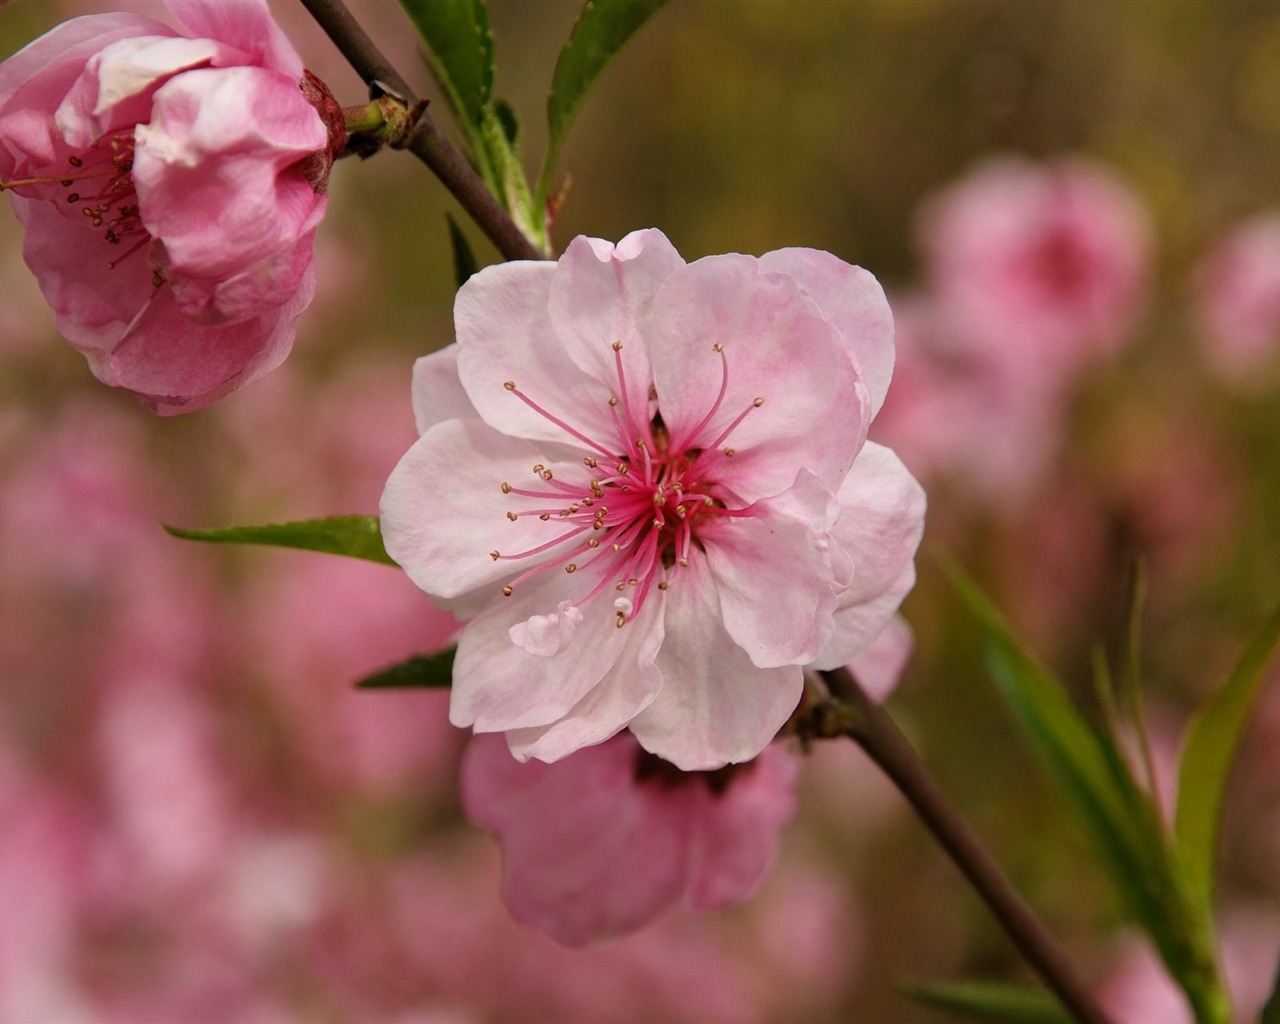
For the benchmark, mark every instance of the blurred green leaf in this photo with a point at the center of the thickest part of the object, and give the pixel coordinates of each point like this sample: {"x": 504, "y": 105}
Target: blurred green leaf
{"x": 1209, "y": 750}
{"x": 429, "y": 671}
{"x": 464, "y": 260}
{"x": 459, "y": 48}
{"x": 510, "y": 123}
{"x": 1018, "y": 1004}
{"x": 354, "y": 536}
{"x": 600, "y": 32}
{"x": 1118, "y": 815}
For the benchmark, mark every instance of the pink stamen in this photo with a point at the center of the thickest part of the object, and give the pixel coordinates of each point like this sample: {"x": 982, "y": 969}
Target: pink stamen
{"x": 511, "y": 386}
{"x": 715, "y": 407}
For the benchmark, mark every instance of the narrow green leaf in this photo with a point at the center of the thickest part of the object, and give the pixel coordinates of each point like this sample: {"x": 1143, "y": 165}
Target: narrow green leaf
{"x": 599, "y": 33}
{"x": 355, "y": 536}
{"x": 1208, "y": 753}
{"x": 429, "y": 671}
{"x": 510, "y": 123}
{"x": 1119, "y": 817}
{"x": 464, "y": 260}
{"x": 978, "y": 1000}
{"x": 459, "y": 48}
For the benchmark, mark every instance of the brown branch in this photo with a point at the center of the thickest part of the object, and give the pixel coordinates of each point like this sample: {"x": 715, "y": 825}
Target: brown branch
{"x": 425, "y": 141}
{"x": 873, "y": 730}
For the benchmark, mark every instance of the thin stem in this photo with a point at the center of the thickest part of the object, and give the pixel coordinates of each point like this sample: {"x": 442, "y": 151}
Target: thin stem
{"x": 425, "y": 141}
{"x": 873, "y": 730}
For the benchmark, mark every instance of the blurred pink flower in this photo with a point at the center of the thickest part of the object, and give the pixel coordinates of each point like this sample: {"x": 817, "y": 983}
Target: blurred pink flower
{"x": 170, "y": 183}
{"x": 705, "y": 515}
{"x": 1238, "y": 301}
{"x": 602, "y": 842}
{"x": 1047, "y": 260}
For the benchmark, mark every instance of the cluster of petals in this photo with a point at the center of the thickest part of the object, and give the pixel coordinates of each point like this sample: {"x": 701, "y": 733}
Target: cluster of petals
{"x": 602, "y": 842}
{"x": 646, "y": 484}
{"x": 1238, "y": 302}
{"x": 169, "y": 182}
{"x": 1045, "y": 260}
{"x": 606, "y": 840}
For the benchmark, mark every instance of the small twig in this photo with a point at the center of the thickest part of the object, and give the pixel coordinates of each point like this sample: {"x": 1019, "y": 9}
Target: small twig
{"x": 425, "y": 141}
{"x": 873, "y": 730}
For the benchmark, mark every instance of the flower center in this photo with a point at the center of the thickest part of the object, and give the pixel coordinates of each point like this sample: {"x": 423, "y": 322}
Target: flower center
{"x": 99, "y": 183}
{"x": 636, "y": 507}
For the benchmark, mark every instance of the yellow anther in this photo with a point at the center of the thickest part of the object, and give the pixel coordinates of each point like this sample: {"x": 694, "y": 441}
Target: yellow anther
{"x": 545, "y": 516}
{"x": 574, "y": 507}
{"x": 730, "y": 452}
{"x": 622, "y": 620}
{"x": 663, "y": 585}
{"x": 510, "y": 385}
{"x": 717, "y": 347}
{"x": 617, "y": 346}
{"x": 495, "y": 555}
{"x": 539, "y": 468}
{"x": 620, "y": 586}
{"x": 512, "y": 516}
{"x": 593, "y": 542}
{"x": 613, "y": 399}
{"x": 758, "y": 402}
{"x": 684, "y": 562}
{"x": 633, "y": 581}
{"x": 589, "y": 462}
{"x": 506, "y": 488}
{"x": 572, "y": 567}
{"x": 545, "y": 474}
{"x": 506, "y": 591}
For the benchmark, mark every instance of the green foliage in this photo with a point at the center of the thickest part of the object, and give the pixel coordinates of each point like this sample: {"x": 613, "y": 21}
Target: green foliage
{"x": 464, "y": 260}
{"x": 600, "y": 32}
{"x": 1119, "y": 816}
{"x": 1208, "y": 754}
{"x": 430, "y": 671}
{"x": 354, "y": 536}
{"x": 1016, "y": 1004}
{"x": 460, "y": 54}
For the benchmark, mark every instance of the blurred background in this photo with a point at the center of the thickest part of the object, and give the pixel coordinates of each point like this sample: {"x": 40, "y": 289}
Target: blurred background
{"x": 1074, "y": 210}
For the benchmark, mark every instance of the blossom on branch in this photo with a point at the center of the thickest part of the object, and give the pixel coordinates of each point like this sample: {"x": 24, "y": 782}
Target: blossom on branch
{"x": 647, "y": 485}
{"x": 170, "y": 183}
{"x": 602, "y": 842}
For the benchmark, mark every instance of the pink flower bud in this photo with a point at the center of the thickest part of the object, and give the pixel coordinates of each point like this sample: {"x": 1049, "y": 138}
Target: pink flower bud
{"x": 170, "y": 183}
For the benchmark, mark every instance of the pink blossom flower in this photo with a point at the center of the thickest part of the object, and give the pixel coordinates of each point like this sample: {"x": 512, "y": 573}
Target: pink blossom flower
{"x": 1238, "y": 307}
{"x": 1049, "y": 259}
{"x": 648, "y": 482}
{"x": 602, "y": 842}
{"x": 170, "y": 183}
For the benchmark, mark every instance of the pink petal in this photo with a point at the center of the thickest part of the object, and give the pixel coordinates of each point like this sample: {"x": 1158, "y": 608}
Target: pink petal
{"x": 116, "y": 87}
{"x": 215, "y": 176}
{"x": 246, "y": 25}
{"x": 601, "y": 294}
{"x": 505, "y": 334}
{"x": 587, "y": 854}
{"x": 773, "y": 573}
{"x": 176, "y": 366}
{"x": 443, "y": 509}
{"x": 438, "y": 394}
{"x": 624, "y": 691}
{"x": 777, "y": 347}
{"x": 853, "y": 302}
{"x": 715, "y": 707}
{"x": 880, "y": 526}
{"x": 737, "y": 831}
{"x": 498, "y": 686}
{"x": 34, "y": 81}
{"x": 879, "y": 667}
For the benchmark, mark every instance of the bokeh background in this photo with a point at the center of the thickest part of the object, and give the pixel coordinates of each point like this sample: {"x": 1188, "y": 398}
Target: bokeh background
{"x": 200, "y": 821}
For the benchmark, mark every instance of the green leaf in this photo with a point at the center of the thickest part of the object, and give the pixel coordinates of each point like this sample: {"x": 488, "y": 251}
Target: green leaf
{"x": 1208, "y": 753}
{"x": 600, "y": 32}
{"x": 464, "y": 260}
{"x": 459, "y": 48}
{"x": 510, "y": 123}
{"x": 1019, "y": 1004}
{"x": 355, "y": 536}
{"x": 431, "y": 671}
{"x": 1118, "y": 815}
